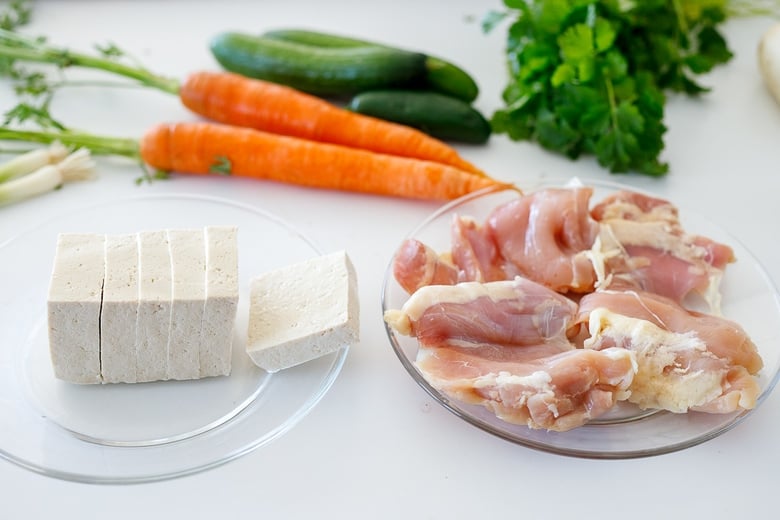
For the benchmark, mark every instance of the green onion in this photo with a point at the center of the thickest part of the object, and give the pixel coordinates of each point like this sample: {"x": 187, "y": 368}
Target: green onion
{"x": 31, "y": 161}
{"x": 75, "y": 167}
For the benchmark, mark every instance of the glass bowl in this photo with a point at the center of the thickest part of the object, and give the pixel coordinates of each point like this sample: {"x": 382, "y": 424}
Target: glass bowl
{"x": 749, "y": 298}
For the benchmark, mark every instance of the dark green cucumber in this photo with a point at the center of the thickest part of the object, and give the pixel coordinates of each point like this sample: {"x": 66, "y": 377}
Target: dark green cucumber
{"x": 319, "y": 71}
{"x": 449, "y": 79}
{"x": 442, "y": 76}
{"x": 318, "y": 39}
{"x": 439, "y": 115}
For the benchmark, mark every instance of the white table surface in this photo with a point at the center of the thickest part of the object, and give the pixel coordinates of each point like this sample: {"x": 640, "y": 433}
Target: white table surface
{"x": 377, "y": 446}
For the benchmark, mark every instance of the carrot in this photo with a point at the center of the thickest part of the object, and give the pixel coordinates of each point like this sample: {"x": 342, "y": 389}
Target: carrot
{"x": 237, "y": 100}
{"x": 205, "y": 147}
{"x": 196, "y": 148}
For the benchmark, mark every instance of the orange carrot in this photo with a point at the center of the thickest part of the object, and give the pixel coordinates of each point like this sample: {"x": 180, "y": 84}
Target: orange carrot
{"x": 238, "y": 100}
{"x": 198, "y": 148}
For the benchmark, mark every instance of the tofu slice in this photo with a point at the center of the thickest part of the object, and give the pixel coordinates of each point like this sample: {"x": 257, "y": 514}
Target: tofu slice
{"x": 303, "y": 311}
{"x": 73, "y": 307}
{"x": 155, "y": 293}
{"x": 188, "y": 261}
{"x": 221, "y": 300}
{"x": 119, "y": 313}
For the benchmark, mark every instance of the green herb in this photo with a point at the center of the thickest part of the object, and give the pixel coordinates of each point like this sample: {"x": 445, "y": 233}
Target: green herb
{"x": 590, "y": 77}
{"x": 221, "y": 166}
{"x": 16, "y": 14}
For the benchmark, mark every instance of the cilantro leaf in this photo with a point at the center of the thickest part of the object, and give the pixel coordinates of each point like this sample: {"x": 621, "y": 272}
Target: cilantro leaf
{"x": 604, "y": 34}
{"x": 590, "y": 76}
{"x": 620, "y": 144}
{"x": 491, "y": 20}
{"x": 576, "y": 43}
{"x": 576, "y": 47}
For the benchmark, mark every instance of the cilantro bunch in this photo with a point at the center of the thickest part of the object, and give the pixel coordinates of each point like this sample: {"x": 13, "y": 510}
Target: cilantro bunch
{"x": 590, "y": 76}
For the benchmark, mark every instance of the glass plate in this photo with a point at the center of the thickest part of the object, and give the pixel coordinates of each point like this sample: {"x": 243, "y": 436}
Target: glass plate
{"x": 749, "y": 297}
{"x": 127, "y": 433}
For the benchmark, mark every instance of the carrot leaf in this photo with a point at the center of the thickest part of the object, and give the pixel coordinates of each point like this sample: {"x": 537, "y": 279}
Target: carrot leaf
{"x": 221, "y": 166}
{"x": 151, "y": 176}
{"x": 16, "y": 47}
{"x": 110, "y": 50}
{"x": 16, "y": 14}
{"x": 25, "y": 112}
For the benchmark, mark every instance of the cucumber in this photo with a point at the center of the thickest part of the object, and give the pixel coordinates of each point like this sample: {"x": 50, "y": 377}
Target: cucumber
{"x": 319, "y": 71}
{"x": 449, "y": 79}
{"x": 317, "y": 39}
{"x": 439, "y": 115}
{"x": 442, "y": 76}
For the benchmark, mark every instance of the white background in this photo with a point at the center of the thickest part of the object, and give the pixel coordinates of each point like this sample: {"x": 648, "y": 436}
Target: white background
{"x": 377, "y": 446}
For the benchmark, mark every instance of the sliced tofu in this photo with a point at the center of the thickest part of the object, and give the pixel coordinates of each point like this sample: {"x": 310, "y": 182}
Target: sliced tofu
{"x": 142, "y": 307}
{"x": 155, "y": 298}
{"x": 118, "y": 318}
{"x": 74, "y": 301}
{"x": 303, "y": 311}
{"x": 221, "y": 300}
{"x": 188, "y": 261}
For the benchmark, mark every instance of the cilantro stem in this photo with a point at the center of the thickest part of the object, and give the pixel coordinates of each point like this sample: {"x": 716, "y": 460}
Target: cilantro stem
{"x": 15, "y": 46}
{"x": 682, "y": 22}
{"x": 612, "y": 102}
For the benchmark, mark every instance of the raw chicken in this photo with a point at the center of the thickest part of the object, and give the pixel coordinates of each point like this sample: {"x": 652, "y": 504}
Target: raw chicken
{"x": 508, "y": 313}
{"x": 496, "y": 326}
{"x": 475, "y": 252}
{"x": 547, "y": 236}
{"x": 504, "y": 345}
{"x": 643, "y": 245}
{"x": 628, "y": 240}
{"x": 676, "y": 370}
{"x": 724, "y": 338}
{"x": 557, "y": 392}
{"x": 416, "y": 265}
{"x": 631, "y": 205}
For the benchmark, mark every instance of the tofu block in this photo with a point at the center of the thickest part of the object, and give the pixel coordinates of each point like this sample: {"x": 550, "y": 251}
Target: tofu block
{"x": 303, "y": 311}
{"x": 148, "y": 306}
{"x": 188, "y": 262}
{"x": 155, "y": 299}
{"x": 73, "y": 307}
{"x": 221, "y": 300}
{"x": 119, "y": 313}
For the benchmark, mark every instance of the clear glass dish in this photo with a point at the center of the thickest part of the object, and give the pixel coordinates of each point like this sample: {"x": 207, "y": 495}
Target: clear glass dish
{"x": 129, "y": 433}
{"x": 749, "y": 297}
